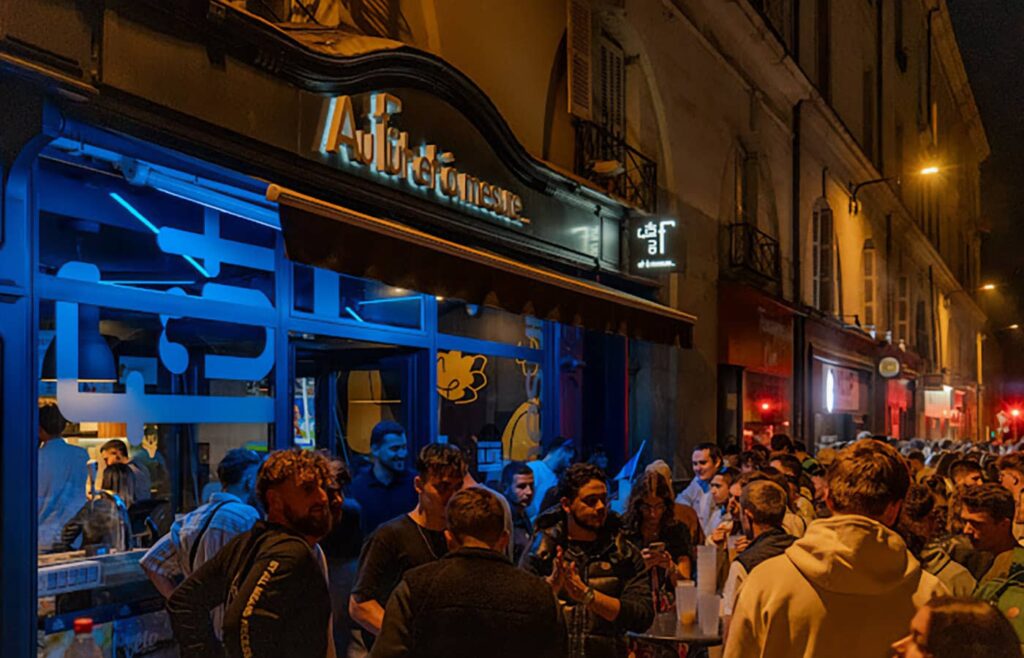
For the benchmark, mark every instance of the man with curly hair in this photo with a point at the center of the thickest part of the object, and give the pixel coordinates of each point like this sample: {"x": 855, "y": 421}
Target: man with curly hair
{"x": 269, "y": 578}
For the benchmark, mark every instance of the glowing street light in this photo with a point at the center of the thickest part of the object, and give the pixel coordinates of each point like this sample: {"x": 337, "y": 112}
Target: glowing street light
{"x": 988, "y": 287}
{"x": 929, "y": 171}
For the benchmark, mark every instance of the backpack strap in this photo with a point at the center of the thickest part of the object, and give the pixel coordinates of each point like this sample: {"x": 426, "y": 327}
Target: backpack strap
{"x": 1014, "y": 576}
{"x": 202, "y": 532}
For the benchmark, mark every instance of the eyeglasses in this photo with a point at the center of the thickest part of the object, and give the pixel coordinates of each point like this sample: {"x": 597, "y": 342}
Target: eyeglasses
{"x": 644, "y": 507}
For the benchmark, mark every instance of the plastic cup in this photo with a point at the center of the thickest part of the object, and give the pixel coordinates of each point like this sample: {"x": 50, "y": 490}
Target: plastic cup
{"x": 708, "y": 608}
{"x": 686, "y": 602}
{"x": 707, "y": 563}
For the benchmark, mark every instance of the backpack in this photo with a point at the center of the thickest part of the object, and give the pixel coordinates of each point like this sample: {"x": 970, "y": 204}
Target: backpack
{"x": 1007, "y": 592}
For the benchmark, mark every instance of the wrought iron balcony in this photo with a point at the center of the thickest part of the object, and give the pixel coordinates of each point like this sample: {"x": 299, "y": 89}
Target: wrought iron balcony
{"x": 614, "y": 165}
{"x": 754, "y": 252}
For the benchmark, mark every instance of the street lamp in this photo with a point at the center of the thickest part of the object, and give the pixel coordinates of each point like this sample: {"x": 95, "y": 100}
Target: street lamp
{"x": 988, "y": 287}
{"x": 855, "y": 188}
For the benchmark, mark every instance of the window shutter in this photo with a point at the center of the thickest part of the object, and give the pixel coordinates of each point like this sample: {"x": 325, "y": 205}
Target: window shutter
{"x": 613, "y": 87}
{"x": 578, "y": 42}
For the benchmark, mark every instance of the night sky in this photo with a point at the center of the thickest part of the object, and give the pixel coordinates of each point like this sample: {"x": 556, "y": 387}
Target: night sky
{"x": 991, "y": 38}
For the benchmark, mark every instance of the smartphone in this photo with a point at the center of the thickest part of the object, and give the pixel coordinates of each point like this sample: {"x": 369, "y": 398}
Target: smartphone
{"x": 657, "y": 547}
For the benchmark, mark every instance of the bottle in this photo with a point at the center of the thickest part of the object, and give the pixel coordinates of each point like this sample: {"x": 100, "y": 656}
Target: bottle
{"x": 84, "y": 645}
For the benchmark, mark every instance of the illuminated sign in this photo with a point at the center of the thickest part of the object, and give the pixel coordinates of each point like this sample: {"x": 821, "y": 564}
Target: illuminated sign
{"x": 387, "y": 151}
{"x": 889, "y": 367}
{"x": 654, "y": 241}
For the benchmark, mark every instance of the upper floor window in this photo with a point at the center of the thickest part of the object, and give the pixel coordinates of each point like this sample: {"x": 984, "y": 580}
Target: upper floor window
{"x": 823, "y": 257}
{"x": 903, "y": 308}
{"x": 870, "y": 285}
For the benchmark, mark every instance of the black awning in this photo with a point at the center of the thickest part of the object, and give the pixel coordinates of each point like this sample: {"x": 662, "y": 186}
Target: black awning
{"x": 336, "y": 238}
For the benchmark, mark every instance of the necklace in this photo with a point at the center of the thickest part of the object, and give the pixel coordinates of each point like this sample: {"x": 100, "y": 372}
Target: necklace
{"x": 426, "y": 541}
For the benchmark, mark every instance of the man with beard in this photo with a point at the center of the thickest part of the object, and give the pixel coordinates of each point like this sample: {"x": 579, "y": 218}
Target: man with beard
{"x": 597, "y": 575}
{"x": 385, "y": 489}
{"x": 269, "y": 579}
{"x": 405, "y": 542}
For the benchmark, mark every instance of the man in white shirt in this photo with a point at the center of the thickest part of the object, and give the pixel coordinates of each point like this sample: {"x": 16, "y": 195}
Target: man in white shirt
{"x": 62, "y": 476}
{"x": 557, "y": 456}
{"x": 202, "y": 532}
{"x": 707, "y": 460}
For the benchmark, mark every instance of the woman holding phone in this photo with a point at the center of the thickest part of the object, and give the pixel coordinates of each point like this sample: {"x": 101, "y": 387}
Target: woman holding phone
{"x": 664, "y": 542}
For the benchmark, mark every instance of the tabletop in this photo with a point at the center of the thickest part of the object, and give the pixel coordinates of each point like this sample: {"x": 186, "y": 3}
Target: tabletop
{"x": 666, "y": 629}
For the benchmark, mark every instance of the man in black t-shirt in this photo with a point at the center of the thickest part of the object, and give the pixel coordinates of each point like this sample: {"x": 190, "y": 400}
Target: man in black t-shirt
{"x": 408, "y": 541}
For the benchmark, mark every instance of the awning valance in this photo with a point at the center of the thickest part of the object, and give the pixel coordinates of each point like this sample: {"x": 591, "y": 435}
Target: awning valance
{"x": 336, "y": 238}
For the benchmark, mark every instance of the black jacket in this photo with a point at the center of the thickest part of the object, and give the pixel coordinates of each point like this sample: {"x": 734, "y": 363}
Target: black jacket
{"x": 611, "y": 565}
{"x": 276, "y": 596}
{"x": 469, "y": 604}
{"x": 771, "y": 543}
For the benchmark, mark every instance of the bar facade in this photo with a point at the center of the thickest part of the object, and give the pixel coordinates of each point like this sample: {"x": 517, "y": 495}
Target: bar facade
{"x": 154, "y": 287}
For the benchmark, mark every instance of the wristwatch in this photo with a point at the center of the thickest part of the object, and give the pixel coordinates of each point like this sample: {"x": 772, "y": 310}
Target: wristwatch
{"x": 588, "y": 596}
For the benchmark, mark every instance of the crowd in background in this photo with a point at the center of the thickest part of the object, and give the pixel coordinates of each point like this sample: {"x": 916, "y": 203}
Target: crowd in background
{"x": 872, "y": 548}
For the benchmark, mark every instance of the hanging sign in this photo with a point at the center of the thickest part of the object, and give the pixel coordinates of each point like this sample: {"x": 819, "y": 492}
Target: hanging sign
{"x": 388, "y": 151}
{"x": 889, "y": 367}
{"x": 653, "y": 245}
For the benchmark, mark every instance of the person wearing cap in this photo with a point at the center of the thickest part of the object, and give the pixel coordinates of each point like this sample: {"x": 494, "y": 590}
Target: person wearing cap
{"x": 198, "y": 536}
{"x": 557, "y": 455}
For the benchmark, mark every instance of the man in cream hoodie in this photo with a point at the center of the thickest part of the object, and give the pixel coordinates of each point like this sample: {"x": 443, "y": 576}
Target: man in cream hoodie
{"x": 849, "y": 587}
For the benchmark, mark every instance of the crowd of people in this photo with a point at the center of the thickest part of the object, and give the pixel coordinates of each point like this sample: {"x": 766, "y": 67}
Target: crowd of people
{"x": 873, "y": 548}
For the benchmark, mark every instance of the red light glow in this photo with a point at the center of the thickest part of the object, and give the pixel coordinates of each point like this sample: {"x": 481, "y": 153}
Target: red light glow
{"x": 765, "y": 406}
{"x": 1014, "y": 412}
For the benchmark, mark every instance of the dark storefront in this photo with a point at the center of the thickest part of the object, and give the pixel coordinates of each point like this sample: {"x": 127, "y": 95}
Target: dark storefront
{"x": 282, "y": 270}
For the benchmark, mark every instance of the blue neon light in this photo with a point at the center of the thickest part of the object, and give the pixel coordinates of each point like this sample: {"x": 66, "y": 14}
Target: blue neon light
{"x": 152, "y": 227}
{"x": 348, "y": 309}
{"x": 134, "y": 213}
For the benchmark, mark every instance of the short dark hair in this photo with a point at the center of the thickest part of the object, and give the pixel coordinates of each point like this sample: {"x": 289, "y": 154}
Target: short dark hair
{"x": 969, "y": 628}
{"x": 751, "y": 458}
{"x": 919, "y": 502}
{"x": 766, "y": 501}
{"x": 51, "y": 420}
{"x": 304, "y": 465}
{"x": 382, "y": 429}
{"x": 800, "y": 446}
{"x": 991, "y": 498}
{"x": 511, "y": 470}
{"x": 440, "y": 459}
{"x": 547, "y": 447}
{"x": 1011, "y": 462}
{"x": 964, "y": 466}
{"x": 576, "y": 477}
{"x": 915, "y": 456}
{"x": 713, "y": 450}
{"x": 729, "y": 474}
{"x": 866, "y": 477}
{"x": 115, "y": 444}
{"x": 791, "y": 466}
{"x": 476, "y": 512}
{"x": 235, "y": 463}
{"x": 118, "y": 479}
{"x": 782, "y": 443}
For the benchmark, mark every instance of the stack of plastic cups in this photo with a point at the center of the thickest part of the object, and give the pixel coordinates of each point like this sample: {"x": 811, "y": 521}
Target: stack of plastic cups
{"x": 707, "y": 561}
{"x": 708, "y": 601}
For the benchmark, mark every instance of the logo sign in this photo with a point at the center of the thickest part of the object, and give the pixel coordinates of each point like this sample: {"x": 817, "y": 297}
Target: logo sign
{"x": 889, "y": 367}
{"x": 652, "y": 244}
{"x": 389, "y": 152}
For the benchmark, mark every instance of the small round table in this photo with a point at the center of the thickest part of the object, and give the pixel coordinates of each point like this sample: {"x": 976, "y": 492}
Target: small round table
{"x": 666, "y": 631}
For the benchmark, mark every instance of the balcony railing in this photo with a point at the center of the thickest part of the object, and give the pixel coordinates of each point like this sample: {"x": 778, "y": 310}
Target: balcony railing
{"x": 615, "y": 166}
{"x": 754, "y": 252}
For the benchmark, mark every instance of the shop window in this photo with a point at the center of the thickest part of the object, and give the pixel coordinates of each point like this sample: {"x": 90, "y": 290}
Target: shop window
{"x": 870, "y": 285}
{"x": 489, "y": 407}
{"x": 488, "y": 323}
{"x": 341, "y": 298}
{"x": 176, "y": 392}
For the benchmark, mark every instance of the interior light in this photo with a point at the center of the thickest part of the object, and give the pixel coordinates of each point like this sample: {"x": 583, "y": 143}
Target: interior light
{"x": 929, "y": 171}
{"x": 95, "y": 360}
{"x": 830, "y": 391}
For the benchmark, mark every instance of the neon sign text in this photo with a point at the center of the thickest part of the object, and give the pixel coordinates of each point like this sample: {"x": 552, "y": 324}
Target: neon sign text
{"x": 386, "y": 150}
